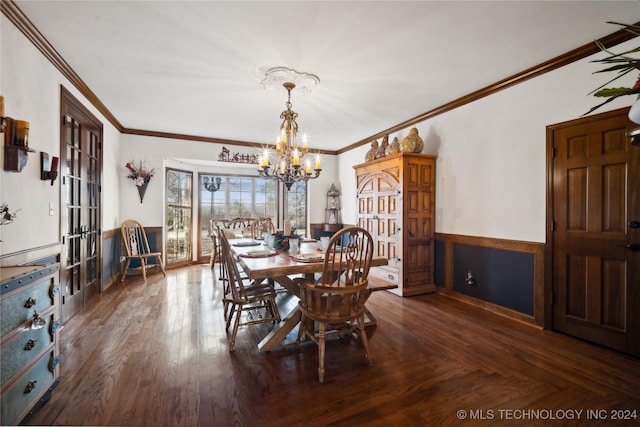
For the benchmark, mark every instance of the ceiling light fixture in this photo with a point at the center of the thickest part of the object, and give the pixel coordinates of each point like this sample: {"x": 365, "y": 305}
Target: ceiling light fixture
{"x": 291, "y": 165}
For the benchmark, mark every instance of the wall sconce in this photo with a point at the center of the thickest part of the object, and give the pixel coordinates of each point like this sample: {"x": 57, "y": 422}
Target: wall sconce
{"x": 47, "y": 173}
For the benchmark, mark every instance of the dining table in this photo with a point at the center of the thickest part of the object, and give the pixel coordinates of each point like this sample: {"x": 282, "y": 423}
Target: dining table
{"x": 260, "y": 263}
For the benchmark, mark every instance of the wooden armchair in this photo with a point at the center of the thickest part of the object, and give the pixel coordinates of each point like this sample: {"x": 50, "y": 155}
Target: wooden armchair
{"x": 336, "y": 303}
{"x": 137, "y": 247}
{"x": 254, "y": 298}
{"x": 261, "y": 225}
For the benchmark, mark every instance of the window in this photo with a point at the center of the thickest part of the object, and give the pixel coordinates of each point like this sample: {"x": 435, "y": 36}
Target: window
{"x": 296, "y": 206}
{"x": 228, "y": 197}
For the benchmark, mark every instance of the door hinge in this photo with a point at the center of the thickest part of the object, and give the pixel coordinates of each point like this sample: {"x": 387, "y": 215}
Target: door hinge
{"x": 63, "y": 240}
{"x": 554, "y": 152}
{"x": 553, "y": 225}
{"x": 553, "y": 298}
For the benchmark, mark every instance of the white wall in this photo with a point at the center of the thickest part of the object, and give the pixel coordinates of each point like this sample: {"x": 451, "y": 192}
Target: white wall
{"x": 490, "y": 172}
{"x": 160, "y": 153}
{"x": 31, "y": 88}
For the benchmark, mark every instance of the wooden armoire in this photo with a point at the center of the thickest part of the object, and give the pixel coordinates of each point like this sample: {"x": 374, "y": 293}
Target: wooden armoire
{"x": 396, "y": 204}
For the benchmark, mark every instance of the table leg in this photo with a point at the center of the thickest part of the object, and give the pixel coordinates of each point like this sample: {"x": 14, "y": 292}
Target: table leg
{"x": 274, "y": 339}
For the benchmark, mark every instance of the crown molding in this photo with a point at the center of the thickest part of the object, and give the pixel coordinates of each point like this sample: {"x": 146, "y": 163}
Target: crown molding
{"x": 582, "y": 52}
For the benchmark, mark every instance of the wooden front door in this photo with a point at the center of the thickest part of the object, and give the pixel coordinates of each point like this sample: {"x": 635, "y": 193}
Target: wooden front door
{"x": 595, "y": 237}
{"x": 81, "y": 160}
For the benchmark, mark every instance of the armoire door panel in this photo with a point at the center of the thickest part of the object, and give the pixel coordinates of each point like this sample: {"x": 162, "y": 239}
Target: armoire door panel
{"x": 382, "y": 228}
{"x": 393, "y": 204}
{"x": 426, "y": 172}
{"x": 370, "y": 205}
{"x": 427, "y": 230}
{"x": 426, "y": 204}
{"x": 412, "y": 174}
{"x": 392, "y": 227}
{"x": 385, "y": 185}
{"x": 381, "y": 249}
{"x": 382, "y": 205}
{"x": 412, "y": 202}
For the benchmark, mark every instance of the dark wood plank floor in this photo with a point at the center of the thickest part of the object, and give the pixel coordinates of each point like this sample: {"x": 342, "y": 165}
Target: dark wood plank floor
{"x": 156, "y": 354}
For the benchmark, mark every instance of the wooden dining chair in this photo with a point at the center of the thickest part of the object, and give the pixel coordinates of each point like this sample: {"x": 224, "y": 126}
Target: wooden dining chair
{"x": 257, "y": 300}
{"x": 215, "y": 241}
{"x": 137, "y": 248}
{"x": 262, "y": 225}
{"x": 336, "y": 302}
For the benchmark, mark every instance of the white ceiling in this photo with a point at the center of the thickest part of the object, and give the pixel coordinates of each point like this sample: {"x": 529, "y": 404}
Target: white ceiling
{"x": 195, "y": 67}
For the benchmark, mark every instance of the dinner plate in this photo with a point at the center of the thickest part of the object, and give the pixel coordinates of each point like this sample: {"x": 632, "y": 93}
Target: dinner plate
{"x": 242, "y": 244}
{"x": 259, "y": 254}
{"x": 309, "y": 257}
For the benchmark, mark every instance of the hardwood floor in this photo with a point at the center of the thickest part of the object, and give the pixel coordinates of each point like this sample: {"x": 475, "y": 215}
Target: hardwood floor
{"x": 156, "y": 354}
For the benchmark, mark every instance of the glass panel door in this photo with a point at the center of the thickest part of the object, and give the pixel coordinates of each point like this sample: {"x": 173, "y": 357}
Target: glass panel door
{"x": 179, "y": 218}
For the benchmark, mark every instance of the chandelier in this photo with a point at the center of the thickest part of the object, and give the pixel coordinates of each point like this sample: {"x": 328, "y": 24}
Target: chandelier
{"x": 291, "y": 165}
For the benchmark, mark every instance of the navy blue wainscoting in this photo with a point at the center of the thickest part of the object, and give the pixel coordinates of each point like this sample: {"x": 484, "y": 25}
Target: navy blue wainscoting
{"x": 439, "y": 257}
{"x": 501, "y": 277}
{"x": 111, "y": 250}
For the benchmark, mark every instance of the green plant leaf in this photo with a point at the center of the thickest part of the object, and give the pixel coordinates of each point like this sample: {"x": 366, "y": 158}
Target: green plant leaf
{"x": 615, "y": 92}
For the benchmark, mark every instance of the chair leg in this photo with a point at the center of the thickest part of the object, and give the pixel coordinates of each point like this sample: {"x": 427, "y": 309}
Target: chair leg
{"x": 125, "y": 269}
{"x": 159, "y": 258}
{"x": 273, "y": 308}
{"x": 143, "y": 266}
{"x": 301, "y": 330}
{"x": 229, "y": 317}
{"x": 232, "y": 342}
{"x": 364, "y": 339}
{"x": 321, "y": 345}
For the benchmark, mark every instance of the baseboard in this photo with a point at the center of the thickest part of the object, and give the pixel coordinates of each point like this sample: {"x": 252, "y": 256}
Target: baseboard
{"x": 493, "y": 308}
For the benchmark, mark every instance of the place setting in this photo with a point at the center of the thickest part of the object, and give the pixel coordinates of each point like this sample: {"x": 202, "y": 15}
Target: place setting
{"x": 263, "y": 253}
{"x": 246, "y": 244}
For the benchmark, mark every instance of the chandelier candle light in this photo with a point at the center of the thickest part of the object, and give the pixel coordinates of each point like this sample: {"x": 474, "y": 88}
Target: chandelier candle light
{"x": 291, "y": 158}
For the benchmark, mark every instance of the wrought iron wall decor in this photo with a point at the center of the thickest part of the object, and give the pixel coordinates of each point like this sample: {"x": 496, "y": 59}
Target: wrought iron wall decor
{"x": 226, "y": 156}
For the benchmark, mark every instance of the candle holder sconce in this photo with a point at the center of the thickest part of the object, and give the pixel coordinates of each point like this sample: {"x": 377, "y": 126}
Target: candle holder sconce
{"x": 48, "y": 172}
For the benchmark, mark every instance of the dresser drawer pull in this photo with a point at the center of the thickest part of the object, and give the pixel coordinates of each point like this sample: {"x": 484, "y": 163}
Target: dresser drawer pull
{"x": 30, "y": 345}
{"x": 30, "y": 302}
{"x": 30, "y": 386}
{"x": 37, "y": 322}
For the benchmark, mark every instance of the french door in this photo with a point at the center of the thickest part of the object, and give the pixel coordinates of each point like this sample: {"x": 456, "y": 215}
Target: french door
{"x": 81, "y": 172}
{"x": 179, "y": 220}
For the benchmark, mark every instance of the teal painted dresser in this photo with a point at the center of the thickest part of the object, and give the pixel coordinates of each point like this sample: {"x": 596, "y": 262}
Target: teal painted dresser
{"x": 29, "y": 325}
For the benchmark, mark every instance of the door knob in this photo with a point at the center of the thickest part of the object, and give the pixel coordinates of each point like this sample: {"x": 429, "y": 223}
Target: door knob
{"x": 633, "y": 247}
{"x": 634, "y": 224}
